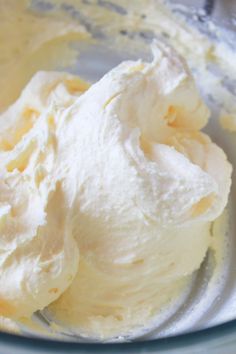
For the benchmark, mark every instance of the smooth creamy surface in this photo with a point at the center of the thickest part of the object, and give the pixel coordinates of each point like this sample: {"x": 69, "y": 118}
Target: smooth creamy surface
{"x": 130, "y": 26}
{"x": 30, "y": 42}
{"x": 107, "y": 194}
{"x": 228, "y": 121}
{"x": 50, "y": 34}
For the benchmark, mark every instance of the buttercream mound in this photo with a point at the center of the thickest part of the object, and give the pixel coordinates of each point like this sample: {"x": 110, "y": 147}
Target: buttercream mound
{"x": 107, "y": 194}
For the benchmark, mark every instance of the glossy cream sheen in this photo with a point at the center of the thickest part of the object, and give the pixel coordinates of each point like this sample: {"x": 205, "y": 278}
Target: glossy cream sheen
{"x": 107, "y": 194}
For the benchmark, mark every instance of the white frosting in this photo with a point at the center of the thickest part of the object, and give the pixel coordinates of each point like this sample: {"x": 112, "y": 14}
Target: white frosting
{"x": 118, "y": 173}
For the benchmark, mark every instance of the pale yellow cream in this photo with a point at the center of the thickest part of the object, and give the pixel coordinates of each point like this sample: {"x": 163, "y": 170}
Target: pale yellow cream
{"x": 30, "y": 42}
{"x": 107, "y": 194}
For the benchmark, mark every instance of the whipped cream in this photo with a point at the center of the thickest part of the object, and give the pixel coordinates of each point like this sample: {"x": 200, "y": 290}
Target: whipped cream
{"x": 107, "y": 194}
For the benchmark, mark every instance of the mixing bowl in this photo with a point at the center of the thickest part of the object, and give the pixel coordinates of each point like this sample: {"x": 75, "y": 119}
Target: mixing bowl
{"x": 204, "y": 319}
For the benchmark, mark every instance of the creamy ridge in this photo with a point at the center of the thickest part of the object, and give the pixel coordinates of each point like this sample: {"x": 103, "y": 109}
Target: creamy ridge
{"x": 107, "y": 194}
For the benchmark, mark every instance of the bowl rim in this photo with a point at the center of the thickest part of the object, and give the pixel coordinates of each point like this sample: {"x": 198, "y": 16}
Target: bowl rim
{"x": 204, "y": 337}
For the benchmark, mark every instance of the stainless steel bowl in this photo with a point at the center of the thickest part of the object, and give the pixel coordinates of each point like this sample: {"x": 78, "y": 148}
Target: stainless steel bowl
{"x": 204, "y": 320}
